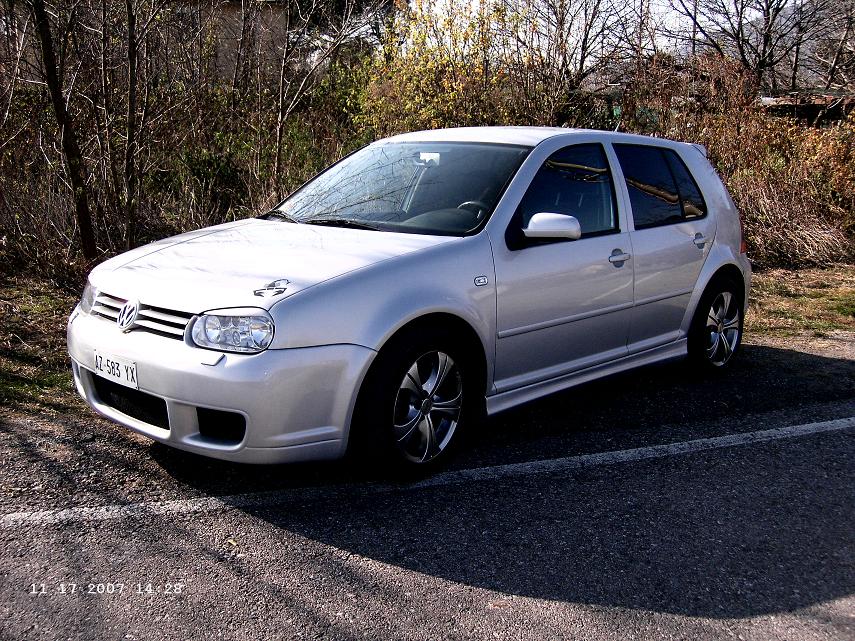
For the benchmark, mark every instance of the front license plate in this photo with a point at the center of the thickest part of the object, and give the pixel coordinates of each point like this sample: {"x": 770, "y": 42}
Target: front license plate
{"x": 117, "y": 369}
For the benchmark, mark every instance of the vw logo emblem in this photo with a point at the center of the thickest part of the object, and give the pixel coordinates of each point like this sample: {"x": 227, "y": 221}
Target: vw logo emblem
{"x": 128, "y": 315}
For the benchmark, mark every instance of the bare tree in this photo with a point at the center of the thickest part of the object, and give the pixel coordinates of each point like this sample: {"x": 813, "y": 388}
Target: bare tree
{"x": 834, "y": 54}
{"x": 766, "y": 36}
{"x": 136, "y": 34}
{"x": 555, "y": 47}
{"x": 74, "y": 162}
{"x": 313, "y": 35}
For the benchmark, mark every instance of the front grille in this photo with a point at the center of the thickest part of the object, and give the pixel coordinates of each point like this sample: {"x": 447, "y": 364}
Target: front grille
{"x": 139, "y": 405}
{"x": 157, "y": 320}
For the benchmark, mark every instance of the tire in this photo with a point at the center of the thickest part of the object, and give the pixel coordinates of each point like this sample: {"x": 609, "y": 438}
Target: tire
{"x": 406, "y": 423}
{"x": 715, "y": 334}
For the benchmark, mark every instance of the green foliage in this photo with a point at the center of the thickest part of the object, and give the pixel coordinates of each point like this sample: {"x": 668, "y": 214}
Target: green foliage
{"x": 846, "y": 306}
{"x": 340, "y": 94}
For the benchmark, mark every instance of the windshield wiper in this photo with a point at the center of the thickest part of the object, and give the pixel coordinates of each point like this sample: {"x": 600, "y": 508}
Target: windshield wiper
{"x": 278, "y": 214}
{"x": 342, "y": 222}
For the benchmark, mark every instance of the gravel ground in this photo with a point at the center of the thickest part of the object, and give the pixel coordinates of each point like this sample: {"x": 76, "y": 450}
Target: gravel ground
{"x": 754, "y": 541}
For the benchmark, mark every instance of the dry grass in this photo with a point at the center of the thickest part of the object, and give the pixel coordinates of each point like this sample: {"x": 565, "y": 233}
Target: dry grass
{"x": 794, "y": 185}
{"x": 791, "y": 302}
{"x": 785, "y": 226}
{"x": 34, "y": 366}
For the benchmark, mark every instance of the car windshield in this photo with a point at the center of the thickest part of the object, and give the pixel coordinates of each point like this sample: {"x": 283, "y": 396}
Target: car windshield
{"x": 422, "y": 188}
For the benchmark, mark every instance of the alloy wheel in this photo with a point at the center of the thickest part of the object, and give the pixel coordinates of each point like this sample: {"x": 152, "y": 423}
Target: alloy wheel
{"x": 428, "y": 406}
{"x": 723, "y": 328}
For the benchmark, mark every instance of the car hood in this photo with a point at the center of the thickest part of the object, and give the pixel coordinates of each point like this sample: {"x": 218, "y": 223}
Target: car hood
{"x": 246, "y": 263}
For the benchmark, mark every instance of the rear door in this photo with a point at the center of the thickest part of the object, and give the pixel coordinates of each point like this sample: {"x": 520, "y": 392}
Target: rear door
{"x": 671, "y": 237}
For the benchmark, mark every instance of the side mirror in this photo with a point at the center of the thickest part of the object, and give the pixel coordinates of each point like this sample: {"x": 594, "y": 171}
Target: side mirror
{"x": 546, "y": 225}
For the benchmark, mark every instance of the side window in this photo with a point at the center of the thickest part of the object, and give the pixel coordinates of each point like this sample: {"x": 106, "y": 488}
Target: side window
{"x": 690, "y": 195}
{"x": 652, "y": 191}
{"x": 575, "y": 181}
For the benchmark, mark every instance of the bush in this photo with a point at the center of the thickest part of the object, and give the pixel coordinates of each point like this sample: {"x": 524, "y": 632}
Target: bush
{"x": 787, "y": 182}
{"x": 423, "y": 80}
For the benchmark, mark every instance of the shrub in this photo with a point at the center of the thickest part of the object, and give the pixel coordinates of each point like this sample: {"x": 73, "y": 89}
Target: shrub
{"x": 786, "y": 181}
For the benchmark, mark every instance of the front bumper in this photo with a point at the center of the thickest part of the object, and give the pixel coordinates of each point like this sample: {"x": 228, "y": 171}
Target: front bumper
{"x": 296, "y": 403}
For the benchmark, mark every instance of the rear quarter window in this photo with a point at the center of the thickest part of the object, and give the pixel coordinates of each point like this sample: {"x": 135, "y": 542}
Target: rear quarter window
{"x": 694, "y": 205}
{"x": 661, "y": 189}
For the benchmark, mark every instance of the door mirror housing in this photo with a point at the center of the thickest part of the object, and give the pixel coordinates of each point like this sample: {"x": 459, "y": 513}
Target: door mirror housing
{"x": 546, "y": 225}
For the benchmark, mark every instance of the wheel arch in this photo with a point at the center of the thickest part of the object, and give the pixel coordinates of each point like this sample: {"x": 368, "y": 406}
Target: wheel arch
{"x": 731, "y": 272}
{"x": 727, "y": 267}
{"x": 457, "y": 326}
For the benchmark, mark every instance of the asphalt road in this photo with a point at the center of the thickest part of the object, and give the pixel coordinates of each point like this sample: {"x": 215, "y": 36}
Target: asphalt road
{"x": 652, "y": 505}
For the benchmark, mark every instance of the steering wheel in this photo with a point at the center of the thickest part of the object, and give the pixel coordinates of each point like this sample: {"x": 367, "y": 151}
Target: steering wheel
{"x": 478, "y": 207}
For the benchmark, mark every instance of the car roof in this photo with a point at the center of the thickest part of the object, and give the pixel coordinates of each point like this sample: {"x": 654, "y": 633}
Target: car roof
{"x": 509, "y": 135}
{"x": 529, "y": 136}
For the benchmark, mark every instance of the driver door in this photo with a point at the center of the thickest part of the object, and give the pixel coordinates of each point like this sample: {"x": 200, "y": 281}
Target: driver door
{"x": 563, "y": 305}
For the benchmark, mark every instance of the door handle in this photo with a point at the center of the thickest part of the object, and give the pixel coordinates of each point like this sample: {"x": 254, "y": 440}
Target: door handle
{"x": 618, "y": 256}
{"x": 700, "y": 240}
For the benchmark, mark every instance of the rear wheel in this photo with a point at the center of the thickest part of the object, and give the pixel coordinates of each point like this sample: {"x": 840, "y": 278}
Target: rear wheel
{"x": 716, "y": 332}
{"x": 415, "y": 402}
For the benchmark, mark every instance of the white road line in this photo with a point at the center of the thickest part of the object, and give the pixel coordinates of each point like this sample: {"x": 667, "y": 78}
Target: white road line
{"x": 496, "y": 472}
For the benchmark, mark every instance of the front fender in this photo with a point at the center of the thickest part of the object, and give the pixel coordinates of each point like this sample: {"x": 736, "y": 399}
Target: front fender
{"x": 368, "y": 306}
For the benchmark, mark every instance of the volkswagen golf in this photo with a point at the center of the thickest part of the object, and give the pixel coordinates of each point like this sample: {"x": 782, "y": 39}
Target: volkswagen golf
{"x": 415, "y": 286}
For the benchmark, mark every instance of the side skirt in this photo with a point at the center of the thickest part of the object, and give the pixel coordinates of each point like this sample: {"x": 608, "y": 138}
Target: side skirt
{"x": 506, "y": 400}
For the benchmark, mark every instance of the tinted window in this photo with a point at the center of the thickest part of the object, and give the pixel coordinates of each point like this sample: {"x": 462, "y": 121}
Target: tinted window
{"x": 574, "y": 181}
{"x": 690, "y": 195}
{"x": 652, "y": 191}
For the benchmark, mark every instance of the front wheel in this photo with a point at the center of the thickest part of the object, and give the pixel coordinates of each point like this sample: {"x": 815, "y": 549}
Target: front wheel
{"x": 415, "y": 402}
{"x": 716, "y": 332}
{"x": 428, "y": 407}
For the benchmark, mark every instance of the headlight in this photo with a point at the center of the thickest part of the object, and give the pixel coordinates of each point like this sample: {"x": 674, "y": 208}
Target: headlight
{"x": 246, "y": 330}
{"x": 88, "y": 298}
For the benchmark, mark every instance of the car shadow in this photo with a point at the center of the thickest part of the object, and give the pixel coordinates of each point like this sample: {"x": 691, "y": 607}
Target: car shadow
{"x": 727, "y": 533}
{"x": 664, "y": 403}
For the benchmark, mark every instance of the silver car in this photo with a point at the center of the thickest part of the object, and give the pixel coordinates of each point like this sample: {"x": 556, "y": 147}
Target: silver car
{"x": 414, "y": 286}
